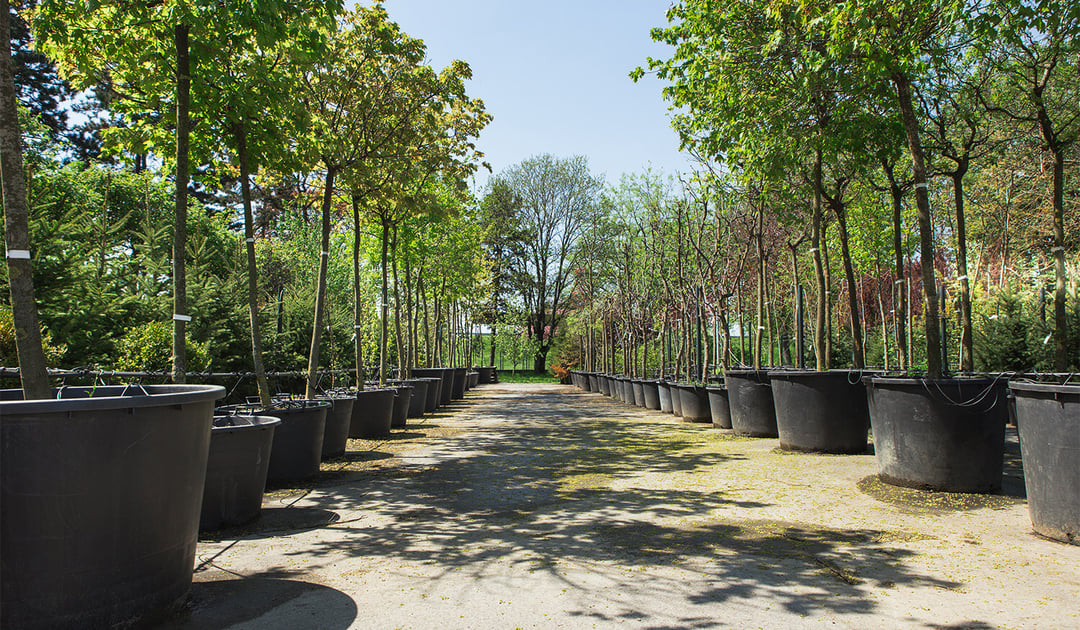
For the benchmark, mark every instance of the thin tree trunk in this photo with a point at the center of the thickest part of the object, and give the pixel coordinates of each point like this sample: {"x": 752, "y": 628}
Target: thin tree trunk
{"x": 385, "y": 306}
{"x": 852, "y": 294}
{"x": 183, "y": 131}
{"x": 240, "y": 134}
{"x": 358, "y": 308}
{"x": 410, "y": 316}
{"x": 828, "y": 296}
{"x": 320, "y": 293}
{"x": 817, "y": 242}
{"x": 33, "y": 374}
{"x": 398, "y": 338}
{"x": 899, "y": 275}
{"x": 926, "y": 235}
{"x": 967, "y": 359}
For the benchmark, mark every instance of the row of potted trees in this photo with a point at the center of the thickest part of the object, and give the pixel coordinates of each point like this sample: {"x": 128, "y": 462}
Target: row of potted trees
{"x": 943, "y": 435}
{"x": 106, "y": 488}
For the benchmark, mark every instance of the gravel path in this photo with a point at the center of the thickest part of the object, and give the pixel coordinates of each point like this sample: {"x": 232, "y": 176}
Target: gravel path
{"x": 539, "y": 506}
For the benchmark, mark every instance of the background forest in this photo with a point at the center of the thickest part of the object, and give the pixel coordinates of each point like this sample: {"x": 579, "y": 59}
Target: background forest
{"x": 329, "y": 215}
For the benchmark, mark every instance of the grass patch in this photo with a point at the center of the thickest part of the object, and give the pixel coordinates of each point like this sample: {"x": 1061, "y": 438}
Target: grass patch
{"x": 526, "y": 377}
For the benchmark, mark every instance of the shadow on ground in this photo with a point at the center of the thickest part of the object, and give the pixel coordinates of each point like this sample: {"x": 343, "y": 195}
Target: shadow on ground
{"x": 549, "y": 479}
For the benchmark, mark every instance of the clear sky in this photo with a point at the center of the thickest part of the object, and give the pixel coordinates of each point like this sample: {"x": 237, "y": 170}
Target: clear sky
{"x": 554, "y": 75}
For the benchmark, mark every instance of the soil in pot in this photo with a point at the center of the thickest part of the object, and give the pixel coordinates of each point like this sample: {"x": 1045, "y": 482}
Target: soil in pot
{"x": 751, "y": 404}
{"x": 101, "y": 497}
{"x": 373, "y": 413}
{"x": 1048, "y": 418}
{"x": 719, "y": 410}
{"x": 946, "y": 435}
{"x": 823, "y": 412}
{"x": 236, "y": 470}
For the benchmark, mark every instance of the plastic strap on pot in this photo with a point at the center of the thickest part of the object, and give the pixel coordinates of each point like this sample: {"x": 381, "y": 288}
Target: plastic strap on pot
{"x": 968, "y": 404}
{"x": 139, "y": 390}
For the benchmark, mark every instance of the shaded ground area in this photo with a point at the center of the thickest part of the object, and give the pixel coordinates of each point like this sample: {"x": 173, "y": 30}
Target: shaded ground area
{"x": 531, "y": 505}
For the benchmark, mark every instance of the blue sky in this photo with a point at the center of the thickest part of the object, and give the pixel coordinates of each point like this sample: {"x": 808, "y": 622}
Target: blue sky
{"x": 554, "y": 76}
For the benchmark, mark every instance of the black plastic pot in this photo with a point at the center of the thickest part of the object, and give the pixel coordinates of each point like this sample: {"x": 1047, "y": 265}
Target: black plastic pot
{"x": 297, "y": 450}
{"x": 638, "y": 388}
{"x": 434, "y": 390}
{"x": 652, "y": 394}
{"x": 236, "y": 470}
{"x": 676, "y": 399}
{"x": 458, "y": 386}
{"x": 822, "y": 412}
{"x": 694, "y": 403}
{"x": 373, "y": 413}
{"x": 418, "y": 402}
{"x": 946, "y": 435}
{"x": 338, "y": 421}
{"x": 101, "y": 494}
{"x": 663, "y": 390}
{"x": 594, "y": 382}
{"x": 626, "y": 390}
{"x": 751, "y": 404}
{"x": 474, "y": 379}
{"x": 719, "y": 410}
{"x": 605, "y": 384}
{"x": 402, "y": 400}
{"x": 1048, "y": 418}
{"x": 486, "y": 374}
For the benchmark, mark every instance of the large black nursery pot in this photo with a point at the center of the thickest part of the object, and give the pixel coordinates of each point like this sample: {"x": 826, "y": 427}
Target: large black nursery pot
{"x": 604, "y": 381}
{"x": 458, "y": 383}
{"x": 338, "y": 423}
{"x": 434, "y": 390}
{"x": 447, "y": 376}
{"x": 418, "y": 402}
{"x": 822, "y": 412}
{"x": 474, "y": 379}
{"x": 486, "y": 374}
{"x": 719, "y": 410}
{"x": 663, "y": 390}
{"x": 575, "y": 379}
{"x": 626, "y": 387}
{"x": 101, "y": 493}
{"x": 594, "y": 381}
{"x": 402, "y": 400}
{"x": 638, "y": 388}
{"x": 373, "y": 413}
{"x": 944, "y": 434}
{"x": 676, "y": 399}
{"x": 652, "y": 394}
{"x": 750, "y": 401}
{"x": 297, "y": 450}
{"x": 694, "y": 403}
{"x": 1048, "y": 418}
{"x": 236, "y": 470}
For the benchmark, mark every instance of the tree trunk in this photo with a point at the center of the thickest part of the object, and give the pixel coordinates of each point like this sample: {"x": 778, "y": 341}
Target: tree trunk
{"x": 852, "y": 294}
{"x": 899, "y": 276}
{"x": 398, "y": 338}
{"x": 358, "y": 307}
{"x": 926, "y": 235}
{"x": 240, "y": 134}
{"x": 320, "y": 292}
{"x": 410, "y": 317}
{"x": 967, "y": 359}
{"x": 385, "y": 306}
{"x": 33, "y": 374}
{"x": 1061, "y": 325}
{"x": 183, "y": 131}
{"x": 817, "y": 241}
{"x": 828, "y": 296}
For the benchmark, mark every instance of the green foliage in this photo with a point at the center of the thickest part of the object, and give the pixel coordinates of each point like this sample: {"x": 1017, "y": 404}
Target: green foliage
{"x": 148, "y": 348}
{"x": 9, "y": 356}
